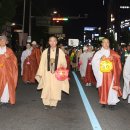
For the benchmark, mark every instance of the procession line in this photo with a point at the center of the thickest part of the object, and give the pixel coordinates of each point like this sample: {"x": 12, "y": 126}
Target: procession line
{"x": 93, "y": 119}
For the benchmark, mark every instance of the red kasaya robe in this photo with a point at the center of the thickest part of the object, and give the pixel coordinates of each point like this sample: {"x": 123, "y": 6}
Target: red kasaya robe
{"x": 8, "y": 74}
{"x": 107, "y": 79}
{"x": 89, "y": 77}
{"x": 31, "y": 65}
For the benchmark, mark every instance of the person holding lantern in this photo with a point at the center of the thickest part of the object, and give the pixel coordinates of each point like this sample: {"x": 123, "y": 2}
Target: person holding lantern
{"x": 30, "y": 60}
{"x": 26, "y": 65}
{"x": 107, "y": 68}
{"x": 89, "y": 76}
{"x": 52, "y": 74}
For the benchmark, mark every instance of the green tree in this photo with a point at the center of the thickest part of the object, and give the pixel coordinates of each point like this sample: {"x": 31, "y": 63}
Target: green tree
{"x": 7, "y": 11}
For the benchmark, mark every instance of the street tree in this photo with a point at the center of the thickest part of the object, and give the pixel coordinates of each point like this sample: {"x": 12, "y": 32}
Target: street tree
{"x": 7, "y": 11}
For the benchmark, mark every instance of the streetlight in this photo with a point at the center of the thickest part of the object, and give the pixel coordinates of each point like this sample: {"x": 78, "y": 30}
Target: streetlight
{"x": 55, "y": 12}
{"x": 112, "y": 18}
{"x": 13, "y": 24}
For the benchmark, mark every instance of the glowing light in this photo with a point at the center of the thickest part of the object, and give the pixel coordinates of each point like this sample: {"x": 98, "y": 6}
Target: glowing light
{"x": 124, "y": 7}
{"x": 60, "y": 19}
{"x": 106, "y": 66}
{"x": 54, "y": 12}
{"x": 103, "y": 2}
{"x": 13, "y": 24}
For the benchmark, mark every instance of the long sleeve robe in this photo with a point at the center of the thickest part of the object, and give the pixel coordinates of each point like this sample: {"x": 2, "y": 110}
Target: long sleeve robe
{"x": 51, "y": 87}
{"x": 89, "y": 76}
{"x": 126, "y": 76}
{"x": 24, "y": 55}
{"x": 107, "y": 83}
{"x": 8, "y": 75}
{"x": 84, "y": 61}
{"x": 30, "y": 70}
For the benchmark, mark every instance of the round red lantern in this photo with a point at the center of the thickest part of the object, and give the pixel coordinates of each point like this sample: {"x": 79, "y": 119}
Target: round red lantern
{"x": 61, "y": 73}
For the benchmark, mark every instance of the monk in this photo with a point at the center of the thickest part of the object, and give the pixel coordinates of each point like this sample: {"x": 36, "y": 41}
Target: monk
{"x": 8, "y": 73}
{"x": 26, "y": 62}
{"x": 89, "y": 76}
{"x": 83, "y": 59}
{"x": 126, "y": 76}
{"x": 107, "y": 69}
{"x": 36, "y": 52}
{"x": 52, "y": 58}
{"x": 31, "y": 63}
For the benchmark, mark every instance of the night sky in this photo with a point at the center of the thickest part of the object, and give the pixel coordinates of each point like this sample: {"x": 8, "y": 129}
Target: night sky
{"x": 74, "y": 28}
{"x": 93, "y": 8}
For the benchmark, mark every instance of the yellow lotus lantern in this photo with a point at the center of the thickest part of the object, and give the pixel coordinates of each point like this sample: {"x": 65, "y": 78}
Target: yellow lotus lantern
{"x": 106, "y": 65}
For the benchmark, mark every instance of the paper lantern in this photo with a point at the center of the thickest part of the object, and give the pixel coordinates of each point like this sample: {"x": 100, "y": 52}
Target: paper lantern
{"x": 106, "y": 66}
{"x": 90, "y": 61}
{"x": 28, "y": 63}
{"x": 79, "y": 64}
{"x": 61, "y": 73}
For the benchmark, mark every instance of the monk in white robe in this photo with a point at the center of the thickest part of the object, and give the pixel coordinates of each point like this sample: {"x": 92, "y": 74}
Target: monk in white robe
{"x": 108, "y": 83}
{"x": 126, "y": 76}
{"x": 83, "y": 60}
{"x": 50, "y": 85}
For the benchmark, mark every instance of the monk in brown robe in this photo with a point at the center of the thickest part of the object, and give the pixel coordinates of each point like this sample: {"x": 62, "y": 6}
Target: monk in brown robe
{"x": 31, "y": 63}
{"x": 26, "y": 67}
{"x": 107, "y": 68}
{"x": 8, "y": 73}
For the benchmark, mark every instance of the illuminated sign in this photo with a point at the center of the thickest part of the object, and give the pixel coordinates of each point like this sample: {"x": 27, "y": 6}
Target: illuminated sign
{"x": 89, "y": 28}
{"x": 60, "y": 19}
{"x": 73, "y": 42}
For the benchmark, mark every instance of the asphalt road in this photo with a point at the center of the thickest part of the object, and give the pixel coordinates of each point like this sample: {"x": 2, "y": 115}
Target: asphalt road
{"x": 29, "y": 113}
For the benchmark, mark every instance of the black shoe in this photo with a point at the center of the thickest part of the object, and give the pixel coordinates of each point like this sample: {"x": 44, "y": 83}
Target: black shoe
{"x": 4, "y": 104}
{"x": 46, "y": 107}
{"x": 111, "y": 107}
{"x": 103, "y": 106}
{"x": 124, "y": 99}
{"x": 53, "y": 107}
{"x": 1, "y": 103}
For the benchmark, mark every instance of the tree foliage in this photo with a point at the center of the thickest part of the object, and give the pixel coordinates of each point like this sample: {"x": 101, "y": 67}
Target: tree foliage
{"x": 7, "y": 11}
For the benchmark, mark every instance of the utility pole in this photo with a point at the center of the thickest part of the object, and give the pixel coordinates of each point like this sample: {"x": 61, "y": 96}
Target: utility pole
{"x": 117, "y": 19}
{"x": 30, "y": 21}
{"x": 24, "y": 15}
{"x": 24, "y": 7}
